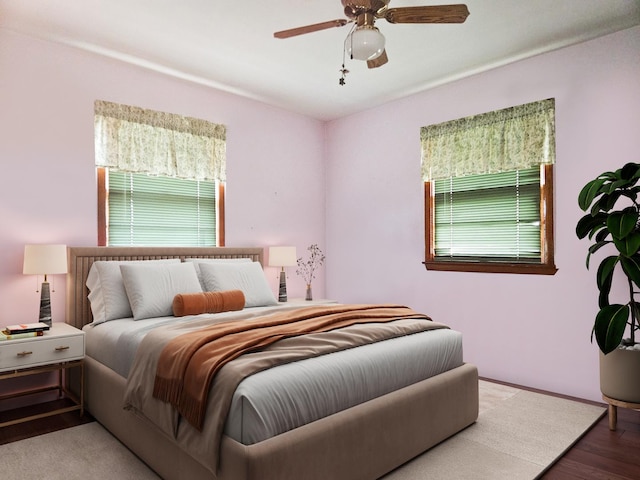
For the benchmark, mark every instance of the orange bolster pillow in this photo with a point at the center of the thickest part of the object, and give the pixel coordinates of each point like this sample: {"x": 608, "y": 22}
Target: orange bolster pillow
{"x": 207, "y": 302}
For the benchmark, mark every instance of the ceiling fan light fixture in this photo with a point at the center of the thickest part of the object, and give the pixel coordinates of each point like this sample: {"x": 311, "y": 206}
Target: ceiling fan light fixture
{"x": 366, "y": 43}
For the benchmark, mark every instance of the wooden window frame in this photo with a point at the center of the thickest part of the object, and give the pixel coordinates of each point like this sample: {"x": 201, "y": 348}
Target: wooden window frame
{"x": 545, "y": 267}
{"x": 101, "y": 181}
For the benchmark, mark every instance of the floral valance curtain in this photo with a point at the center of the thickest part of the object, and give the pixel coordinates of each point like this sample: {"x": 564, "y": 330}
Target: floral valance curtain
{"x": 504, "y": 140}
{"x": 134, "y": 139}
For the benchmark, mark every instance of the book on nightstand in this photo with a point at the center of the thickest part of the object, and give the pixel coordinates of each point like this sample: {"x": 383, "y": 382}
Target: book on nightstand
{"x": 27, "y": 328}
{"x": 6, "y": 335}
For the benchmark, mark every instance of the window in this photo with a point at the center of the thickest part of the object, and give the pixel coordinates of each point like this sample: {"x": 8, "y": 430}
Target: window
{"x": 160, "y": 178}
{"x": 489, "y": 191}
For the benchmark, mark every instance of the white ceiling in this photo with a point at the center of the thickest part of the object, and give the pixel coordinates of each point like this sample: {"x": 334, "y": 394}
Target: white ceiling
{"x": 230, "y": 45}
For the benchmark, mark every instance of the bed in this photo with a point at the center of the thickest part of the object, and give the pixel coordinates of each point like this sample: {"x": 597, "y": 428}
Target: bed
{"x": 365, "y": 439}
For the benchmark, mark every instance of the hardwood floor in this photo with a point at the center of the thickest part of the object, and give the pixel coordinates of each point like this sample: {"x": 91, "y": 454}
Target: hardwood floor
{"x": 600, "y": 454}
{"x": 20, "y": 431}
{"x": 603, "y": 454}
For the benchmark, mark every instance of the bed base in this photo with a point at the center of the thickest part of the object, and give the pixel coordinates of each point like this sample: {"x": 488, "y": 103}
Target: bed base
{"x": 364, "y": 442}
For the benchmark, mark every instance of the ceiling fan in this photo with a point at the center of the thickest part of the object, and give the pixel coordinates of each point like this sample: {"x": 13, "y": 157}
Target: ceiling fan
{"x": 366, "y": 42}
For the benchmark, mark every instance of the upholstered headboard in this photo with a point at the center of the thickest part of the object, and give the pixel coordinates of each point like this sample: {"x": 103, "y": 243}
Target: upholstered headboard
{"x": 81, "y": 259}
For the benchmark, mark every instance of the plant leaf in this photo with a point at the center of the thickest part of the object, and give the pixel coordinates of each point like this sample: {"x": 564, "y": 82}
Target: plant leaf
{"x": 631, "y": 267}
{"x": 604, "y": 279}
{"x": 622, "y": 223}
{"x": 590, "y": 191}
{"x": 605, "y": 270}
{"x": 602, "y": 235}
{"x": 608, "y": 175}
{"x": 587, "y": 223}
{"x": 609, "y": 327}
{"x": 597, "y": 246}
{"x": 631, "y": 193}
{"x": 608, "y": 201}
{"x": 630, "y": 171}
{"x": 611, "y": 187}
{"x": 629, "y": 245}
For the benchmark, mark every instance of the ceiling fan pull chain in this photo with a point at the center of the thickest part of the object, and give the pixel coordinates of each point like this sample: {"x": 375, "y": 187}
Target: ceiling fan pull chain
{"x": 343, "y": 70}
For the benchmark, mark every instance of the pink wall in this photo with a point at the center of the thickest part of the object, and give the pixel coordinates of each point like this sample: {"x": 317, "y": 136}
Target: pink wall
{"x": 275, "y": 170}
{"x": 528, "y": 329}
{"x": 352, "y": 185}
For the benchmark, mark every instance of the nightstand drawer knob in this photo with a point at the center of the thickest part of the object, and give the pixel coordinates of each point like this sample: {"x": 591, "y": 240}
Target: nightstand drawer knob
{"x": 60, "y": 349}
{"x": 24, "y": 354}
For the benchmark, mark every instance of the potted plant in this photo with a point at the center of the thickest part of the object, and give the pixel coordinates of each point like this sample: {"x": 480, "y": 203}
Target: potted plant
{"x": 613, "y": 222}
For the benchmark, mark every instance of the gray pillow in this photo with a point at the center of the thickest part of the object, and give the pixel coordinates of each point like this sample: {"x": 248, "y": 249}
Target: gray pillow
{"x": 248, "y": 277}
{"x": 151, "y": 288}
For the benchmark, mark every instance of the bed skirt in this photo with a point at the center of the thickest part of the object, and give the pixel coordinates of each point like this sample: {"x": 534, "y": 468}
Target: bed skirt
{"x": 363, "y": 442}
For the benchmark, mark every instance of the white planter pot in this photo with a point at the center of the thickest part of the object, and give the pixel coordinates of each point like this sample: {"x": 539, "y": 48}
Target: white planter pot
{"x": 620, "y": 375}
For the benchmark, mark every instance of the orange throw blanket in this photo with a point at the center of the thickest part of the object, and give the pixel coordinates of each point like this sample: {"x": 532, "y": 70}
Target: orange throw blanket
{"x": 189, "y": 362}
{"x": 207, "y": 302}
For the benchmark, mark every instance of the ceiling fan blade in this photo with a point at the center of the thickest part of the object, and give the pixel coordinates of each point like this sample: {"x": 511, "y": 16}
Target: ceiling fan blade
{"x": 457, "y": 13}
{"x": 310, "y": 28}
{"x": 379, "y": 61}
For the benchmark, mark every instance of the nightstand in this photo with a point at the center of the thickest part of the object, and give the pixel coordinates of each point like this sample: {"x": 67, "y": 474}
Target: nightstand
{"x": 60, "y": 348}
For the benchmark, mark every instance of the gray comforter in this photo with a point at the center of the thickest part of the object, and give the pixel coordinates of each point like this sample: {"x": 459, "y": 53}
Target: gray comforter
{"x": 204, "y": 446}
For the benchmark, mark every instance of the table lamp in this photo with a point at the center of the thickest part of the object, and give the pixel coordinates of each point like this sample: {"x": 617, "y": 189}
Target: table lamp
{"x": 282, "y": 257}
{"x": 45, "y": 260}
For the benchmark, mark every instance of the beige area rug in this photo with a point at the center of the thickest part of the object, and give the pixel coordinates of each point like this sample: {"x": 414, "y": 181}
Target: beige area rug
{"x": 85, "y": 452}
{"x": 517, "y": 436}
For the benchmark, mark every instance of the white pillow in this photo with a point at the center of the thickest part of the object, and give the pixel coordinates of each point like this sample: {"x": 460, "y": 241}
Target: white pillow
{"x": 107, "y": 295}
{"x": 197, "y": 261}
{"x": 151, "y": 288}
{"x": 248, "y": 277}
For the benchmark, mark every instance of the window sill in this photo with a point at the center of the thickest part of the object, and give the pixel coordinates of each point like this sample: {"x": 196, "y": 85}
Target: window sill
{"x": 486, "y": 267}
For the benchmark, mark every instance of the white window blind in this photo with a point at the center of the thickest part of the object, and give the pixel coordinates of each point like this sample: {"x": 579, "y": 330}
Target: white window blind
{"x": 152, "y": 211}
{"x": 493, "y": 217}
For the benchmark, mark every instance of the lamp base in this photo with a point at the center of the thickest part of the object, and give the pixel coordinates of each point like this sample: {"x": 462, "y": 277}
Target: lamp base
{"x": 282, "y": 294}
{"x": 45, "y": 304}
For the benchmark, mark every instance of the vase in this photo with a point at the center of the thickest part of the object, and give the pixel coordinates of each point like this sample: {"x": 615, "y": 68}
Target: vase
{"x": 309, "y": 295}
{"x": 619, "y": 372}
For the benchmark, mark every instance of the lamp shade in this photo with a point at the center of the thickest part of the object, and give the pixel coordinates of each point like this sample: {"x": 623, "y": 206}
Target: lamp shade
{"x": 44, "y": 259}
{"x": 282, "y": 256}
{"x": 367, "y": 43}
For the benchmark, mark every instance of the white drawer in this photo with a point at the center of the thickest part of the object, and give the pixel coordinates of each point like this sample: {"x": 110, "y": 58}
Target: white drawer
{"x": 40, "y": 351}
